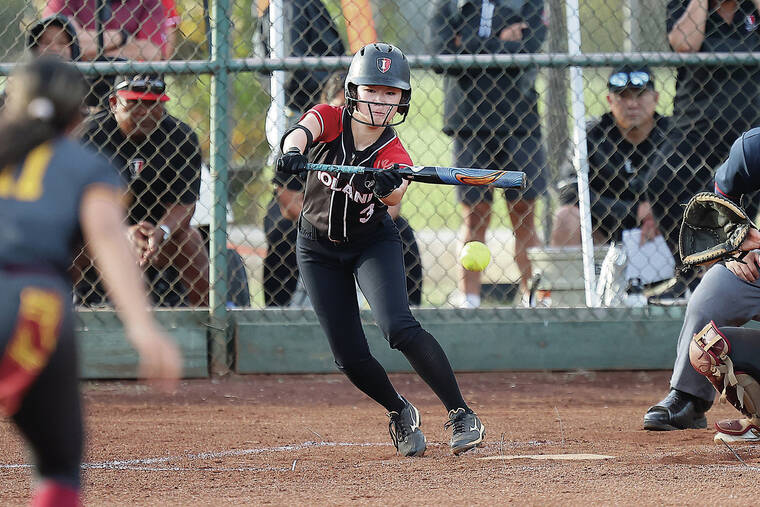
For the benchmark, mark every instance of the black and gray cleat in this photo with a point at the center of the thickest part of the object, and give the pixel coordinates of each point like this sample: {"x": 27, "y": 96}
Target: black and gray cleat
{"x": 405, "y": 431}
{"x": 468, "y": 431}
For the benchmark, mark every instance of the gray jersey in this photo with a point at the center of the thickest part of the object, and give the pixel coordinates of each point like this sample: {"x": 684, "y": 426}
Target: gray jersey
{"x": 40, "y": 201}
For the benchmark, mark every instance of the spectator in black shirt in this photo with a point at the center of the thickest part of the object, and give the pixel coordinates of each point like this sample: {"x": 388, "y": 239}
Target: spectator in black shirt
{"x": 620, "y": 147}
{"x": 492, "y": 116}
{"x": 160, "y": 159}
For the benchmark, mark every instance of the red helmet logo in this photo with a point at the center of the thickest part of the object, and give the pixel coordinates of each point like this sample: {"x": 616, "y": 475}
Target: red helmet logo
{"x": 384, "y": 64}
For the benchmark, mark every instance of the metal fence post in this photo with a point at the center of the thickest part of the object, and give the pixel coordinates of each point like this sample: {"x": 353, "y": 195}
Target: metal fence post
{"x": 219, "y": 126}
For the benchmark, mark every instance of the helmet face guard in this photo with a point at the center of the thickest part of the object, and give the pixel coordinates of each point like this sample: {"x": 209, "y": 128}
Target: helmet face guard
{"x": 352, "y": 101}
{"x": 378, "y": 64}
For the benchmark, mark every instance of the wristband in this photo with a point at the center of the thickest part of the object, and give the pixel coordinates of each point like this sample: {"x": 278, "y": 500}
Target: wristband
{"x": 298, "y": 126}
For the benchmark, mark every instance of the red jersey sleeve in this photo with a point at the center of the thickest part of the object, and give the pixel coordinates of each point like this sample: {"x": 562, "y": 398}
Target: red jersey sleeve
{"x": 393, "y": 153}
{"x": 329, "y": 118}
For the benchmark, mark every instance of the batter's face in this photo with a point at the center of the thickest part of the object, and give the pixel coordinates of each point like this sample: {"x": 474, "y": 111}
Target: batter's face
{"x": 633, "y": 107}
{"x": 137, "y": 118}
{"x": 384, "y": 103}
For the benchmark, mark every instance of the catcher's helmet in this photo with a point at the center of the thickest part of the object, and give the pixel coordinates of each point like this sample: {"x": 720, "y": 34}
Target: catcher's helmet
{"x": 379, "y": 63}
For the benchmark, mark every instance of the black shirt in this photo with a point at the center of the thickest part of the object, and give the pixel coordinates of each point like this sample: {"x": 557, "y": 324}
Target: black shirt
{"x": 160, "y": 171}
{"x": 485, "y": 101}
{"x": 719, "y": 96}
{"x": 618, "y": 174}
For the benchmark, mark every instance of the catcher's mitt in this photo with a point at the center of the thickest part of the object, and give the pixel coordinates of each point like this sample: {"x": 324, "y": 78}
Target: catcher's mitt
{"x": 713, "y": 228}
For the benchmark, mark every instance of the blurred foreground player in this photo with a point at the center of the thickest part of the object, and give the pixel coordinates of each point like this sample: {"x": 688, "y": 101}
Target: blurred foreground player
{"x": 52, "y": 190}
{"x": 346, "y": 236}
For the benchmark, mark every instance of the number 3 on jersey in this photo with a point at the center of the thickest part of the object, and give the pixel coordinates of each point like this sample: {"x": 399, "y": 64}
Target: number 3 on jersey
{"x": 369, "y": 210}
{"x": 28, "y": 186}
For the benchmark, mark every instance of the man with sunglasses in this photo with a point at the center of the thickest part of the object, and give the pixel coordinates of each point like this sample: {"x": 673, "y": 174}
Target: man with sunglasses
{"x": 160, "y": 159}
{"x": 620, "y": 145}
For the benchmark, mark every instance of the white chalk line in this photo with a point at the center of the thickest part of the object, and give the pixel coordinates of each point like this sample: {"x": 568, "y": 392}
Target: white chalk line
{"x": 142, "y": 464}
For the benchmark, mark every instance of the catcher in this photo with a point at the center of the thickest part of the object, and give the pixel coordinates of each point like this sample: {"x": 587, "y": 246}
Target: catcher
{"x": 712, "y": 350}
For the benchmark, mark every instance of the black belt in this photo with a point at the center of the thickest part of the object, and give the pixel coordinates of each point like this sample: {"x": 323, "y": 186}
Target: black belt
{"x": 309, "y": 231}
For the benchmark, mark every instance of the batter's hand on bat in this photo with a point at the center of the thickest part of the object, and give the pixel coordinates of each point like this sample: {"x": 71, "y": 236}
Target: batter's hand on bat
{"x": 386, "y": 182}
{"x": 292, "y": 161}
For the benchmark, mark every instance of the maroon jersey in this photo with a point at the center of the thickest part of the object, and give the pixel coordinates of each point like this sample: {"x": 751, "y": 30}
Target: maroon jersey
{"x": 341, "y": 205}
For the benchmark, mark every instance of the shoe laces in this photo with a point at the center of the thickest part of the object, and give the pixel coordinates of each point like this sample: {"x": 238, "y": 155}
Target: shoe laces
{"x": 402, "y": 431}
{"x": 456, "y": 420}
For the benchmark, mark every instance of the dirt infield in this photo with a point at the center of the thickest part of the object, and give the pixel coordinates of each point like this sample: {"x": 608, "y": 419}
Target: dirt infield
{"x": 314, "y": 439}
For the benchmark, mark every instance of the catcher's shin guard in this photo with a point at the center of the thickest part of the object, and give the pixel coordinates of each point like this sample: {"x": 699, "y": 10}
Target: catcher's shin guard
{"x": 708, "y": 354}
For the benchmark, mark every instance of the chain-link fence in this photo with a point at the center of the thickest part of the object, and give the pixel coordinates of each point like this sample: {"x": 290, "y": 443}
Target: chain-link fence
{"x": 554, "y": 85}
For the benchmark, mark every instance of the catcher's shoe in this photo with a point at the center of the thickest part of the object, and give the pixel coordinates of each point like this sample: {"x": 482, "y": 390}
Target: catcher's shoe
{"x": 677, "y": 411}
{"x": 404, "y": 428}
{"x": 468, "y": 431}
{"x": 737, "y": 430}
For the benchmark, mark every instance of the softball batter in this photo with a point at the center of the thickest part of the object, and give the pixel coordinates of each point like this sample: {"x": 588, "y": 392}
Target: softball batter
{"x": 345, "y": 234}
{"x": 51, "y": 191}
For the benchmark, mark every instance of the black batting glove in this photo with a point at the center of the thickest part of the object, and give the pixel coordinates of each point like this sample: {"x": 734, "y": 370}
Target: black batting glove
{"x": 386, "y": 182}
{"x": 292, "y": 162}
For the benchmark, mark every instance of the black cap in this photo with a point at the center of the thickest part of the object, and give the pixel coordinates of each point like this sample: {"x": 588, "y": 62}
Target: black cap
{"x": 630, "y": 76}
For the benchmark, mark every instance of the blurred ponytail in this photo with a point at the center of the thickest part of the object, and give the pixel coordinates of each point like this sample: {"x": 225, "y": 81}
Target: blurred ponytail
{"x": 44, "y": 97}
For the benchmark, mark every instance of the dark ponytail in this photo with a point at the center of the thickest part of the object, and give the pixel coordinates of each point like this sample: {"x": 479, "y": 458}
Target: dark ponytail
{"x": 44, "y": 97}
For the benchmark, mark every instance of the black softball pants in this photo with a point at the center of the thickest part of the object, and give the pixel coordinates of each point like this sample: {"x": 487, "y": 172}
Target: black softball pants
{"x": 49, "y": 415}
{"x": 280, "y": 276}
{"x": 329, "y": 272}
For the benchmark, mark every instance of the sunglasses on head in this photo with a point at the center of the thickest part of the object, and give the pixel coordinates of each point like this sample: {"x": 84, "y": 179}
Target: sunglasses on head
{"x": 143, "y": 85}
{"x": 637, "y": 78}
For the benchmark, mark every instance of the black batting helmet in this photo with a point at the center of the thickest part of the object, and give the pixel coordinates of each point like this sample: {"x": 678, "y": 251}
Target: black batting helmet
{"x": 379, "y": 63}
